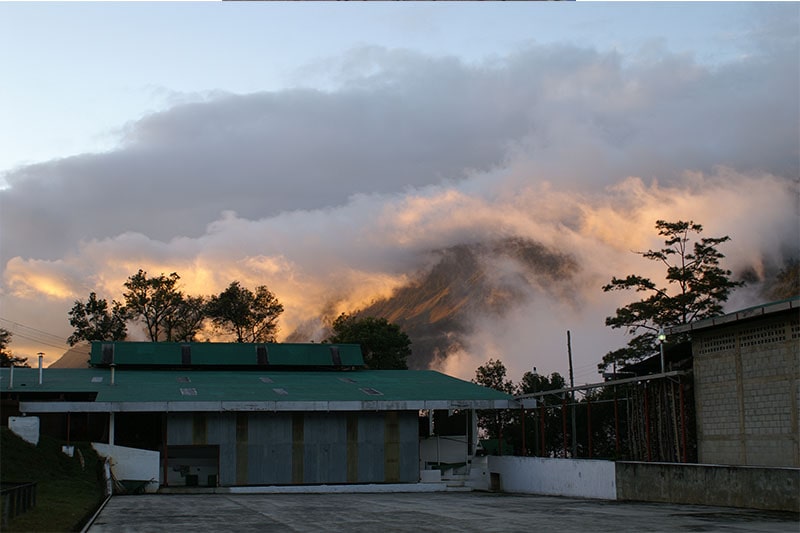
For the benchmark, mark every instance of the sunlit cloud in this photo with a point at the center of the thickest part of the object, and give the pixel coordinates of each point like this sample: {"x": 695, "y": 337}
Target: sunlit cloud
{"x": 337, "y": 199}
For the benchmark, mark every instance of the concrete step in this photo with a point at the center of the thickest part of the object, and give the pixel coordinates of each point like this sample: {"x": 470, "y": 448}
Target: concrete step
{"x": 458, "y": 489}
{"x": 455, "y": 477}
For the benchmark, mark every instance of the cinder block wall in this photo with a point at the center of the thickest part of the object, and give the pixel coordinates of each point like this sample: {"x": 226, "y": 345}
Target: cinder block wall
{"x": 747, "y": 391}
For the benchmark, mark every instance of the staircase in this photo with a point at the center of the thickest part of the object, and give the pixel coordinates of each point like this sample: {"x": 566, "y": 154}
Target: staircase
{"x": 456, "y": 482}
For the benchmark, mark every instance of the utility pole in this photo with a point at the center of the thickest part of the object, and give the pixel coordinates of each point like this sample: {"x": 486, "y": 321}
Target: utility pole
{"x": 537, "y": 451}
{"x": 572, "y": 384}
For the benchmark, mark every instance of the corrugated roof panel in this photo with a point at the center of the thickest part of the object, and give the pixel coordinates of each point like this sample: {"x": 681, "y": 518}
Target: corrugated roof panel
{"x": 200, "y": 354}
{"x": 154, "y": 385}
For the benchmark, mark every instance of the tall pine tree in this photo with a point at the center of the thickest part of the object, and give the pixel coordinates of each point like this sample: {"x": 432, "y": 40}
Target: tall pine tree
{"x": 696, "y": 287}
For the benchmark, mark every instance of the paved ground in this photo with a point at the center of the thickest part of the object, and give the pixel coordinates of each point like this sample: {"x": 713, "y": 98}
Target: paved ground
{"x": 434, "y": 512}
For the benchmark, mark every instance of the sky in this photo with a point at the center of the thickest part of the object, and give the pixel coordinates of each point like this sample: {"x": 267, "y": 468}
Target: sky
{"x": 326, "y": 149}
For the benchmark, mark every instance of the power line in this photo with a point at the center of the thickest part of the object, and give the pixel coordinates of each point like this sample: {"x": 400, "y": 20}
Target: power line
{"x": 34, "y": 339}
{"x": 39, "y": 331}
{"x": 36, "y": 335}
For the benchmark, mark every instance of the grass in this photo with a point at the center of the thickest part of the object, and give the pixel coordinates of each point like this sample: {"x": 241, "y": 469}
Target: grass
{"x": 67, "y": 493}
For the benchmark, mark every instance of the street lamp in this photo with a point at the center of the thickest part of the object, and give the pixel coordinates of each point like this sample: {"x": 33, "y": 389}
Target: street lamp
{"x": 661, "y": 338}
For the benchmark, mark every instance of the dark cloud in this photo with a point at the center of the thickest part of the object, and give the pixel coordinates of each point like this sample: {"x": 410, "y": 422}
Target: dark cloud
{"x": 399, "y": 120}
{"x": 335, "y": 198}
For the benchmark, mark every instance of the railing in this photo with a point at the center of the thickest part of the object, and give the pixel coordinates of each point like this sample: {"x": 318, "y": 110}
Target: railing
{"x": 16, "y": 498}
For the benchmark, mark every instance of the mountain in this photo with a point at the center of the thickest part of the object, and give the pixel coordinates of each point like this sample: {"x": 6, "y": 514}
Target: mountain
{"x": 75, "y": 357}
{"x": 464, "y": 283}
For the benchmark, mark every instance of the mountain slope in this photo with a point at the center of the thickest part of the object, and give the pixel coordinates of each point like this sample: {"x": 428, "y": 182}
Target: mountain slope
{"x": 439, "y": 308}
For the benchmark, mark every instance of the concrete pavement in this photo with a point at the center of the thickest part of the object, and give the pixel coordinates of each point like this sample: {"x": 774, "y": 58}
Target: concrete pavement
{"x": 420, "y": 512}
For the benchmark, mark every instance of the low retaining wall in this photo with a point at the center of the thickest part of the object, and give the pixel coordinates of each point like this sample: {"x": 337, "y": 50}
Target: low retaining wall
{"x": 728, "y": 486}
{"x": 731, "y": 486}
{"x": 26, "y": 427}
{"x": 578, "y": 478}
{"x": 132, "y": 464}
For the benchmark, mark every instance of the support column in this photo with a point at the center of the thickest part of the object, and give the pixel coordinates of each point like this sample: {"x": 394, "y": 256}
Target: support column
{"x": 474, "y": 430}
{"x": 564, "y": 422}
{"x": 111, "y": 429}
{"x": 165, "y": 458}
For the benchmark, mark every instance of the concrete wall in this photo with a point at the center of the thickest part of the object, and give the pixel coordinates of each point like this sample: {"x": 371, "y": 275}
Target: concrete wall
{"x": 27, "y": 427}
{"x": 444, "y": 449}
{"x": 732, "y": 486}
{"x": 302, "y": 448}
{"x": 132, "y": 463}
{"x": 579, "y": 478}
{"x": 747, "y": 391}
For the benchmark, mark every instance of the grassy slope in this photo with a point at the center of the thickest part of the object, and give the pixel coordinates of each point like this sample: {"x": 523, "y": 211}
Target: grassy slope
{"x": 67, "y": 493}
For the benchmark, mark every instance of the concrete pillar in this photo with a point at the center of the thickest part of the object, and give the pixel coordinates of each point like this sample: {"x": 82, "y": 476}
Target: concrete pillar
{"x": 110, "y": 429}
{"x": 474, "y": 428}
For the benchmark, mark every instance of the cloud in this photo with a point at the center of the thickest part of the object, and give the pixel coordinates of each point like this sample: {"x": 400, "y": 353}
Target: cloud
{"x": 339, "y": 259}
{"x": 334, "y": 198}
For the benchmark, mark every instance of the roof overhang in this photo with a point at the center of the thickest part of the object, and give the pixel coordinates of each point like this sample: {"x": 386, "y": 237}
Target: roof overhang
{"x": 745, "y": 314}
{"x": 32, "y": 407}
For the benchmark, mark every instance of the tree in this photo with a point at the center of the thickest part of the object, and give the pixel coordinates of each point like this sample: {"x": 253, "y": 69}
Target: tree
{"x": 786, "y": 283}
{"x": 6, "y": 357}
{"x": 186, "y": 319}
{"x": 547, "y": 415}
{"x": 696, "y": 288}
{"x": 537, "y": 383}
{"x": 492, "y": 374}
{"x": 94, "y": 322}
{"x": 384, "y": 345}
{"x": 153, "y": 301}
{"x": 250, "y": 317}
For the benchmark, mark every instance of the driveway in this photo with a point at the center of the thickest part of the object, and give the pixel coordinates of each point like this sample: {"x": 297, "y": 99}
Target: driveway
{"x": 420, "y": 512}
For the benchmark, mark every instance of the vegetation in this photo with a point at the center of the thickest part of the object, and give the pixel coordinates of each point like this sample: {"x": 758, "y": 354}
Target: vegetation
{"x": 68, "y": 492}
{"x": 249, "y": 316}
{"x": 153, "y": 301}
{"x": 493, "y": 375}
{"x": 696, "y": 286}
{"x": 6, "y": 357}
{"x": 786, "y": 283}
{"x": 384, "y": 345}
{"x": 93, "y": 321}
{"x": 507, "y": 424}
{"x": 169, "y": 315}
{"x": 183, "y": 324}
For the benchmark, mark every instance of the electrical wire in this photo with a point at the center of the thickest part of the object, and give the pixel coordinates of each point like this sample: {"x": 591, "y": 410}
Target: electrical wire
{"x": 37, "y": 335}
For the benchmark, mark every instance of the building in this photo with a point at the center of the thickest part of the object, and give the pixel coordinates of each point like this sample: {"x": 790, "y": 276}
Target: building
{"x": 249, "y": 414}
{"x": 747, "y": 385}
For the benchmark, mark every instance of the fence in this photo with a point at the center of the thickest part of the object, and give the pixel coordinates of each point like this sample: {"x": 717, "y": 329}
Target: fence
{"x": 16, "y": 499}
{"x": 647, "y": 418}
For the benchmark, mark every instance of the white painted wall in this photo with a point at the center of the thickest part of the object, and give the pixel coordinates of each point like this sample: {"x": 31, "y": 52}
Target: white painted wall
{"x": 581, "y": 478}
{"x": 132, "y": 463}
{"x": 450, "y": 449}
{"x": 27, "y": 427}
{"x": 479, "y": 473}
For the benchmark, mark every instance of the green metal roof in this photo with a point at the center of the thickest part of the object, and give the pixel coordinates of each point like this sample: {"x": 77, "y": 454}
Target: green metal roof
{"x": 789, "y": 304}
{"x": 174, "y": 354}
{"x": 278, "y": 390}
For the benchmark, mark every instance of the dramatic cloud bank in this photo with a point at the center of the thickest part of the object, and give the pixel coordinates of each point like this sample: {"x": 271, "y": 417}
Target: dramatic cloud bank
{"x": 335, "y": 198}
